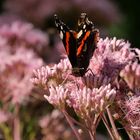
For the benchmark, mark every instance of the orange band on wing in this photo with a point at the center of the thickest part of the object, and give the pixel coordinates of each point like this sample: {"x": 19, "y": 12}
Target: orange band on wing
{"x": 67, "y": 42}
{"x": 82, "y": 43}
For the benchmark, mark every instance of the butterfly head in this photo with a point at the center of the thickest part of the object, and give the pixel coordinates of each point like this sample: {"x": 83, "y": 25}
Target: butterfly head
{"x": 82, "y": 19}
{"x": 84, "y": 22}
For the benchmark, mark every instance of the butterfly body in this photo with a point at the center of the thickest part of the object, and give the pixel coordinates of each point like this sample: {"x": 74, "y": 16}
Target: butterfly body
{"x": 79, "y": 45}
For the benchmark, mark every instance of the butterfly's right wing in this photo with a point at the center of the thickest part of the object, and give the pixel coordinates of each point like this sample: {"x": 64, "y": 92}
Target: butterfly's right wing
{"x": 87, "y": 37}
{"x": 69, "y": 40}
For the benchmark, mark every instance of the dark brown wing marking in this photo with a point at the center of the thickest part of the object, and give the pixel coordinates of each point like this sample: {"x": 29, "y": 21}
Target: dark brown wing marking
{"x": 68, "y": 39}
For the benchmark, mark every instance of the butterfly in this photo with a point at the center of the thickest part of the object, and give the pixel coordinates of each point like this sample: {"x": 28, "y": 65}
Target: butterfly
{"x": 80, "y": 44}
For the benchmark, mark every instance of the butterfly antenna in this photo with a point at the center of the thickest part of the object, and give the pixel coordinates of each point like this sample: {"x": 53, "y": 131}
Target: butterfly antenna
{"x": 57, "y": 21}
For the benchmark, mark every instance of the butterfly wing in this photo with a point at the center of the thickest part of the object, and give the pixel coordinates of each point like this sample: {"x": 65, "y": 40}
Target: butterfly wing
{"x": 87, "y": 38}
{"x": 68, "y": 39}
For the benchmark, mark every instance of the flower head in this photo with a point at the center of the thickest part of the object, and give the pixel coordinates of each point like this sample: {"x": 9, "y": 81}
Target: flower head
{"x": 28, "y": 37}
{"x": 57, "y": 97}
{"x": 110, "y": 57}
{"x": 51, "y": 75}
{"x": 129, "y": 115}
{"x": 88, "y": 102}
{"x": 131, "y": 74}
{"x": 16, "y": 73}
{"x": 18, "y": 59}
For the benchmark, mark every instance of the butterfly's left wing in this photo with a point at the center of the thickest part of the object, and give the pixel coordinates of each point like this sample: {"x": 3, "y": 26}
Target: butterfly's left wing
{"x": 69, "y": 40}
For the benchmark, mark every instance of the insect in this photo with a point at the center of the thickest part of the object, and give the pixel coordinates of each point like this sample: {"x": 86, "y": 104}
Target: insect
{"x": 80, "y": 44}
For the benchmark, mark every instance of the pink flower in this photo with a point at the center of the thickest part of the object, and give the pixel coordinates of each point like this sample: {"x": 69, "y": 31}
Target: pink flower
{"x": 57, "y": 97}
{"x": 27, "y": 37}
{"x": 16, "y": 73}
{"x": 18, "y": 59}
{"x": 53, "y": 75}
{"x": 110, "y": 57}
{"x": 88, "y": 102}
{"x": 131, "y": 121}
{"x": 93, "y": 81}
{"x": 131, "y": 75}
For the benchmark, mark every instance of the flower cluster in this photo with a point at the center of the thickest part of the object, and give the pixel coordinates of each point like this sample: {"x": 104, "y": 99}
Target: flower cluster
{"x": 110, "y": 57}
{"x": 27, "y": 37}
{"x": 52, "y": 75}
{"x": 113, "y": 73}
{"x": 17, "y": 60}
{"x": 18, "y": 42}
{"x": 16, "y": 73}
{"x": 88, "y": 102}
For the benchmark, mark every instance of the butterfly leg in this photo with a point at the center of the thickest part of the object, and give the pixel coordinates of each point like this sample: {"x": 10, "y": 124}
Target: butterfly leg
{"x": 65, "y": 79}
{"x": 90, "y": 71}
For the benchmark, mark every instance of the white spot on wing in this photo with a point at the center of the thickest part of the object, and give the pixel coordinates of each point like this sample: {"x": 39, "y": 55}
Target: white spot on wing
{"x": 56, "y": 24}
{"x": 84, "y": 26}
{"x": 61, "y": 34}
{"x": 61, "y": 27}
{"x": 79, "y": 34}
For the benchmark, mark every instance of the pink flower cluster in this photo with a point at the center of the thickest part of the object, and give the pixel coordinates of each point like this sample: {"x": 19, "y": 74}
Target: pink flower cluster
{"x": 17, "y": 60}
{"x": 110, "y": 57}
{"x": 19, "y": 33}
{"x": 115, "y": 73}
{"x": 88, "y": 101}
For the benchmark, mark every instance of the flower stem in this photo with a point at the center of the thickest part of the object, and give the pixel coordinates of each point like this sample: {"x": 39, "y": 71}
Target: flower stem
{"x": 130, "y": 136}
{"x": 75, "y": 121}
{"x": 71, "y": 125}
{"x": 91, "y": 127}
{"x": 107, "y": 126}
{"x": 16, "y": 121}
{"x": 92, "y": 135}
{"x": 116, "y": 134}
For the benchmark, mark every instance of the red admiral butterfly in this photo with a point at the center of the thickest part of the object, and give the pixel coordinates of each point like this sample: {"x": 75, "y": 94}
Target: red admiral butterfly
{"x": 79, "y": 45}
